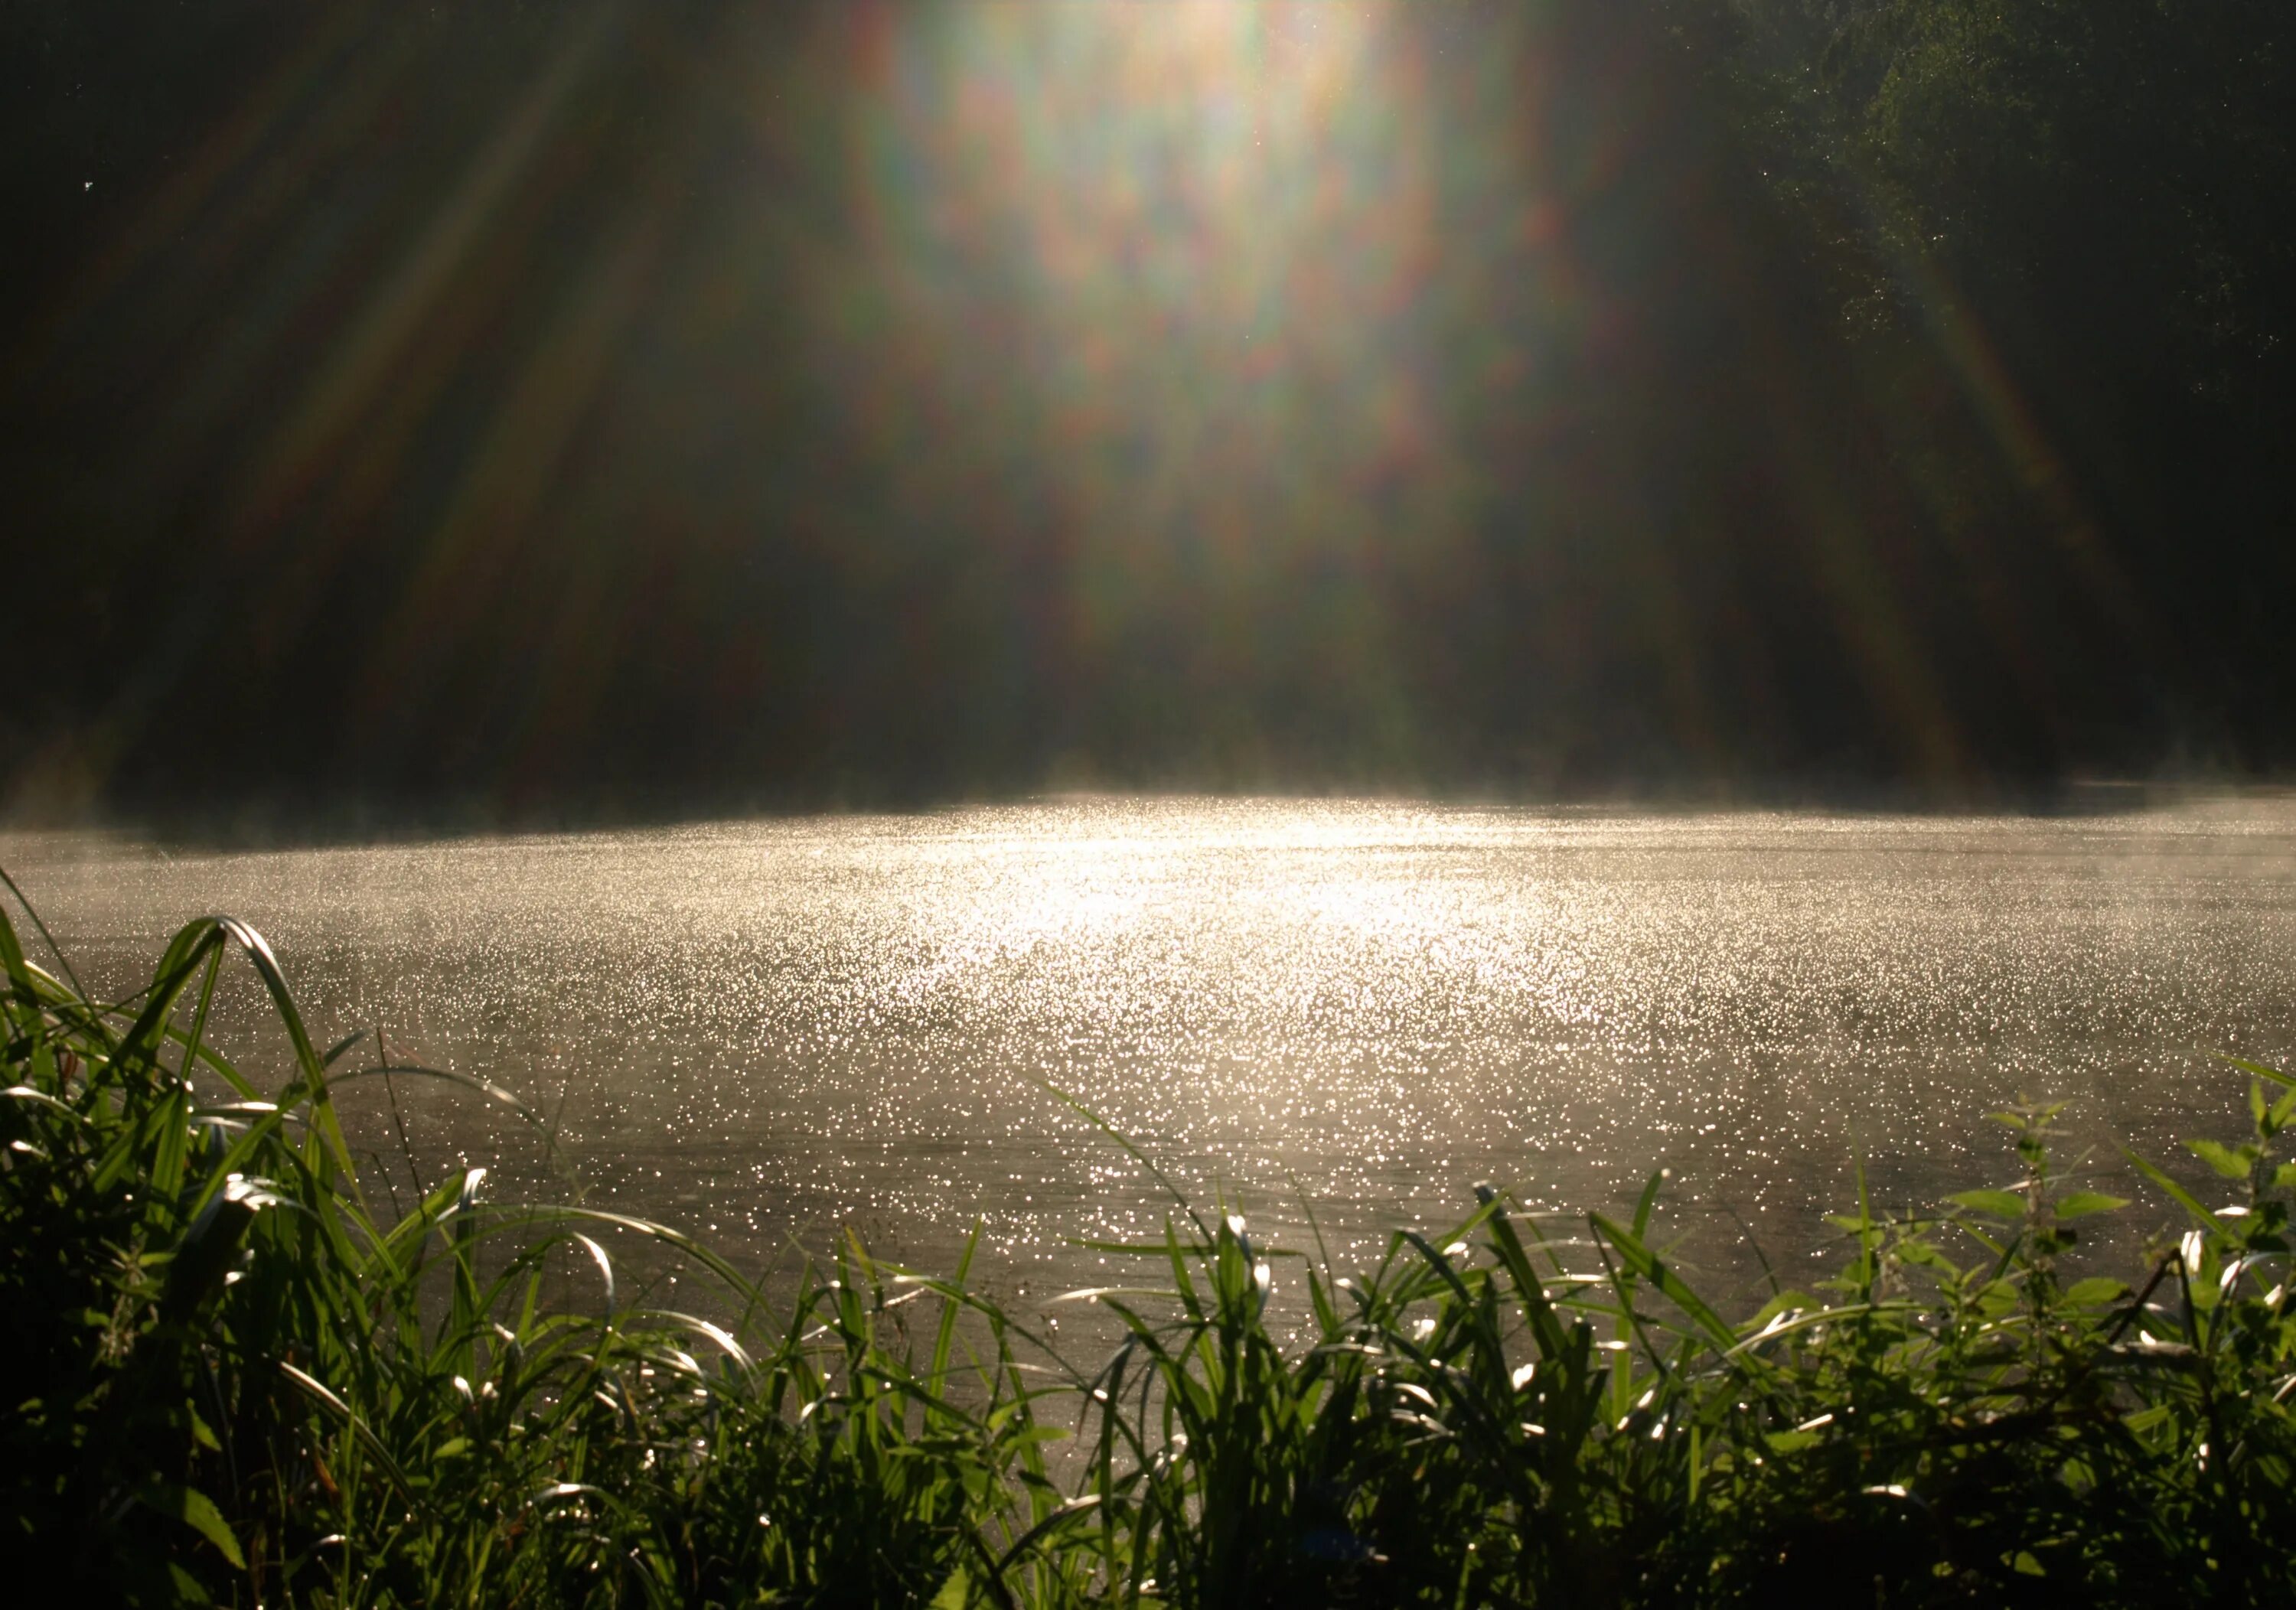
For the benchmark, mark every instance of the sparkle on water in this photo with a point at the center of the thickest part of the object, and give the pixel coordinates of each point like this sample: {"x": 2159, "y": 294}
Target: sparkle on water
{"x": 758, "y": 1029}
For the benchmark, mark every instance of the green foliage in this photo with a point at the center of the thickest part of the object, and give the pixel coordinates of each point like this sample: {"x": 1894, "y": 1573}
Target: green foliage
{"x": 2051, "y": 156}
{"x": 2056, "y": 235}
{"x": 234, "y": 1381}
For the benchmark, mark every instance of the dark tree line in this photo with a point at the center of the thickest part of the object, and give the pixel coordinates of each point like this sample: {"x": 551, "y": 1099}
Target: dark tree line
{"x": 2068, "y": 231}
{"x": 518, "y": 410}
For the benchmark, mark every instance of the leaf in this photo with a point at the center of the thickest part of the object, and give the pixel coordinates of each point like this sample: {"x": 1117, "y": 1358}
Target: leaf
{"x": 2232, "y": 1164}
{"x": 1649, "y": 1200}
{"x": 321, "y": 1393}
{"x": 2282, "y": 1111}
{"x": 1544, "y": 1326}
{"x": 2261, "y": 1071}
{"x": 2084, "y": 1294}
{"x": 2149, "y": 1419}
{"x": 2080, "y": 1204}
{"x": 2190, "y": 1203}
{"x": 1994, "y": 1204}
{"x": 955, "y": 1593}
{"x": 25, "y": 1092}
{"x": 196, "y": 1510}
{"x": 1639, "y": 1258}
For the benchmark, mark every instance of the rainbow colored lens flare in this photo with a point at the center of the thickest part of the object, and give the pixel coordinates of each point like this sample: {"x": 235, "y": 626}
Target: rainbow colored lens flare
{"x": 1355, "y": 391}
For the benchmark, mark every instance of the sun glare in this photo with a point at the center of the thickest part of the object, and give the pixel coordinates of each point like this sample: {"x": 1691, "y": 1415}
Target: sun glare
{"x": 1176, "y": 160}
{"x": 1185, "y": 262}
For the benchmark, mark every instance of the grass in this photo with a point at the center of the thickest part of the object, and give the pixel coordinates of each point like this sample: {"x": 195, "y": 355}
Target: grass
{"x": 232, "y": 1380}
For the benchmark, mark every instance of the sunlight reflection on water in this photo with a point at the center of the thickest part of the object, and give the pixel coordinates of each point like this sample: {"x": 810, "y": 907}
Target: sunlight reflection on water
{"x": 760, "y": 1028}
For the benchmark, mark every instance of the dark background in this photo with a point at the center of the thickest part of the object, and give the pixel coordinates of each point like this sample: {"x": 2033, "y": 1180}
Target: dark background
{"x": 502, "y": 414}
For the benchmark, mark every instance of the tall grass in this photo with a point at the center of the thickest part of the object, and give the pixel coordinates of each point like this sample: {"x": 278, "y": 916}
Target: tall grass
{"x": 233, "y": 1378}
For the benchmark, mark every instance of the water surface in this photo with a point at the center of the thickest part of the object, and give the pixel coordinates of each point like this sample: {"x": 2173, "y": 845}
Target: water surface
{"x": 759, "y": 1029}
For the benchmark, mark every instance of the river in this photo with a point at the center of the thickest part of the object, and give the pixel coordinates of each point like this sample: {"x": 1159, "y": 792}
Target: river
{"x": 760, "y": 1030}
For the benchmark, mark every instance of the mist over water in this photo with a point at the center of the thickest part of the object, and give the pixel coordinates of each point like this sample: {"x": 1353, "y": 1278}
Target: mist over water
{"x": 759, "y": 1029}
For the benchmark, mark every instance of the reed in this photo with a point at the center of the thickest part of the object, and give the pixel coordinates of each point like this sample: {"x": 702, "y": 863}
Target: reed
{"x": 235, "y": 1379}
